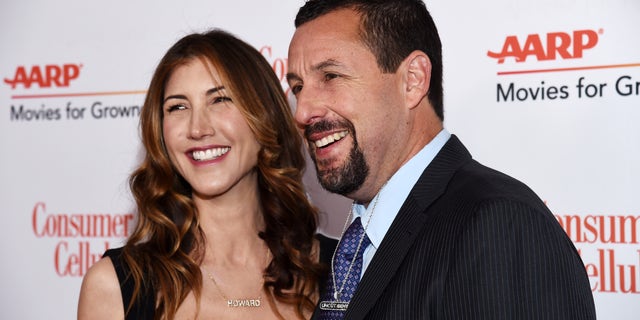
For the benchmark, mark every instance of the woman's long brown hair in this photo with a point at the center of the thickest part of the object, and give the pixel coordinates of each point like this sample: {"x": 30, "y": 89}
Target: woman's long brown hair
{"x": 166, "y": 248}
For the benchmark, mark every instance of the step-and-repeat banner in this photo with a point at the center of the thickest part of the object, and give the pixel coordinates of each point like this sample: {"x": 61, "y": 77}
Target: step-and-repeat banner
{"x": 547, "y": 91}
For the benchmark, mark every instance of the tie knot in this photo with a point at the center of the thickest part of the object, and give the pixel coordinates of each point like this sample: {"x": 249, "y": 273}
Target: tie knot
{"x": 354, "y": 239}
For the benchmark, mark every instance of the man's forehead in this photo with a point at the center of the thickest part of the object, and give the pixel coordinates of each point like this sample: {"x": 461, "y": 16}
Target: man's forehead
{"x": 337, "y": 24}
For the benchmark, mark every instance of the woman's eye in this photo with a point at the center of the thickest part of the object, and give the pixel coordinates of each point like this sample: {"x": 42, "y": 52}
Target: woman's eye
{"x": 221, "y": 99}
{"x": 176, "y": 107}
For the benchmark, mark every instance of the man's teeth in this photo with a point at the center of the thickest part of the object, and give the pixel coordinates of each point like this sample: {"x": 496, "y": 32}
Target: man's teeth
{"x": 330, "y": 139}
{"x": 209, "y": 154}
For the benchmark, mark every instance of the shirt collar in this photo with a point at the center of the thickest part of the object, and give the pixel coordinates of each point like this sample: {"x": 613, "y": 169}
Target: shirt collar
{"x": 390, "y": 198}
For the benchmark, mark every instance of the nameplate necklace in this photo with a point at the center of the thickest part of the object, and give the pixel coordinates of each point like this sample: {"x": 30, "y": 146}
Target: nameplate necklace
{"x": 238, "y": 303}
{"x": 337, "y": 304}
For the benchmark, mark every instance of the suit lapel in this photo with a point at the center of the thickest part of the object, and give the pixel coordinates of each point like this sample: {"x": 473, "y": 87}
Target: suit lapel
{"x": 406, "y": 226}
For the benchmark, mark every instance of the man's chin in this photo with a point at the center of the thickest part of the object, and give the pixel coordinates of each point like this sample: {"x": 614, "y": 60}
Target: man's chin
{"x": 334, "y": 181}
{"x": 341, "y": 174}
{"x": 329, "y": 179}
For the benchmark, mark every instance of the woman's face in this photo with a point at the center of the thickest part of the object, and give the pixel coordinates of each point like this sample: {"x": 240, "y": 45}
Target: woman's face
{"x": 208, "y": 139}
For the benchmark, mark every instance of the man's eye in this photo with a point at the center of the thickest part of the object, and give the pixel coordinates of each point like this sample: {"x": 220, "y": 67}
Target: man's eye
{"x": 329, "y": 76}
{"x": 296, "y": 89}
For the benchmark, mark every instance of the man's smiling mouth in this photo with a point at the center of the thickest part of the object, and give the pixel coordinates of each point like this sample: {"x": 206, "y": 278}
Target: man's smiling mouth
{"x": 330, "y": 139}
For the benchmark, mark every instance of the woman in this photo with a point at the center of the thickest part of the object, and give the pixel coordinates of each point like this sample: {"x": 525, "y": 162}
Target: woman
{"x": 225, "y": 230}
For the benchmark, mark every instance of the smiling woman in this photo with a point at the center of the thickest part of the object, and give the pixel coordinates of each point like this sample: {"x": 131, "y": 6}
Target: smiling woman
{"x": 223, "y": 217}
{"x": 206, "y": 135}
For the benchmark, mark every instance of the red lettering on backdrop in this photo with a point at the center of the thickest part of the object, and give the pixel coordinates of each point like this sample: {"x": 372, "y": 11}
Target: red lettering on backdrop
{"x": 45, "y": 76}
{"x": 34, "y": 220}
{"x": 558, "y": 44}
{"x": 73, "y": 257}
{"x": 606, "y": 273}
{"x": 590, "y": 224}
{"x": 76, "y": 263}
{"x": 607, "y": 229}
{"x": 279, "y": 66}
{"x": 87, "y": 225}
{"x": 611, "y": 277}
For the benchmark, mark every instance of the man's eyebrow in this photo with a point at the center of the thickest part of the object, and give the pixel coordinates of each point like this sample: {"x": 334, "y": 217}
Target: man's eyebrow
{"x": 317, "y": 67}
{"x": 325, "y": 64}
{"x": 292, "y": 77}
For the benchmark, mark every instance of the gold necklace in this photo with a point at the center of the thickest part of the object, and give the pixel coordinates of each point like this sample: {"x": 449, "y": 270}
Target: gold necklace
{"x": 242, "y": 302}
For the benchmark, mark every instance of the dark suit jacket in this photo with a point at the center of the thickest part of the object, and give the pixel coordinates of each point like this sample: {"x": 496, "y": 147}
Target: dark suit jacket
{"x": 472, "y": 243}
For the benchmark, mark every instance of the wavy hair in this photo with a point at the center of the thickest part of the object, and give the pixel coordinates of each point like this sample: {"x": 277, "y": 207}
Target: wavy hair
{"x": 167, "y": 245}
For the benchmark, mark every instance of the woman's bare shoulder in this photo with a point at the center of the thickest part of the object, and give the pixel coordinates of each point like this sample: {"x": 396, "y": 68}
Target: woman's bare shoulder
{"x": 100, "y": 295}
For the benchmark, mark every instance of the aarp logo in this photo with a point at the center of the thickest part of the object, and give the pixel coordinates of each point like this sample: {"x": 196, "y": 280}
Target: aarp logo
{"x": 44, "y": 76}
{"x": 550, "y": 46}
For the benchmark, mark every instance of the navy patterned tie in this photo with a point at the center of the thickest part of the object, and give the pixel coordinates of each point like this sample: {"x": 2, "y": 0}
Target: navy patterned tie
{"x": 346, "y": 275}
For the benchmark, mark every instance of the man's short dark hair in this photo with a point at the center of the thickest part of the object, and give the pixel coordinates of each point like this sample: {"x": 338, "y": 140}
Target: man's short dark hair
{"x": 391, "y": 29}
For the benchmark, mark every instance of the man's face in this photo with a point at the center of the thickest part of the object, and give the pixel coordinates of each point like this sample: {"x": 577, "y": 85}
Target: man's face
{"x": 348, "y": 110}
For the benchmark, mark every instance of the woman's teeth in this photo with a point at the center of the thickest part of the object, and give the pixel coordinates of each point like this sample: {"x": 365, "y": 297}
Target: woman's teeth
{"x": 209, "y": 154}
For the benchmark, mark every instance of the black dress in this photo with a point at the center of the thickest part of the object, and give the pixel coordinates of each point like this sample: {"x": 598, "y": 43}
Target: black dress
{"x": 144, "y": 307}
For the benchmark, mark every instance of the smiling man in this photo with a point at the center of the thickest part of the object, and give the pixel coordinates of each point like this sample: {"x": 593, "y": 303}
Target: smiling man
{"x": 432, "y": 233}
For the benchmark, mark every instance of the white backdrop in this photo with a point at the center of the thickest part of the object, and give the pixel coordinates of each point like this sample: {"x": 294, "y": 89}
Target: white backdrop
{"x": 559, "y": 113}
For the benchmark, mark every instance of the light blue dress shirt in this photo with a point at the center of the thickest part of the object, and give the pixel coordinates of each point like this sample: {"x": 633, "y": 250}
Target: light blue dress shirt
{"x": 393, "y": 194}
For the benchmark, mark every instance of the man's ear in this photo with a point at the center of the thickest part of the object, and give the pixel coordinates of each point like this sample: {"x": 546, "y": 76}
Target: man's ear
{"x": 417, "y": 77}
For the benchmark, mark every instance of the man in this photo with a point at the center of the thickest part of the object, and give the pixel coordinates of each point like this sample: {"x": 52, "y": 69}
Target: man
{"x": 443, "y": 236}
